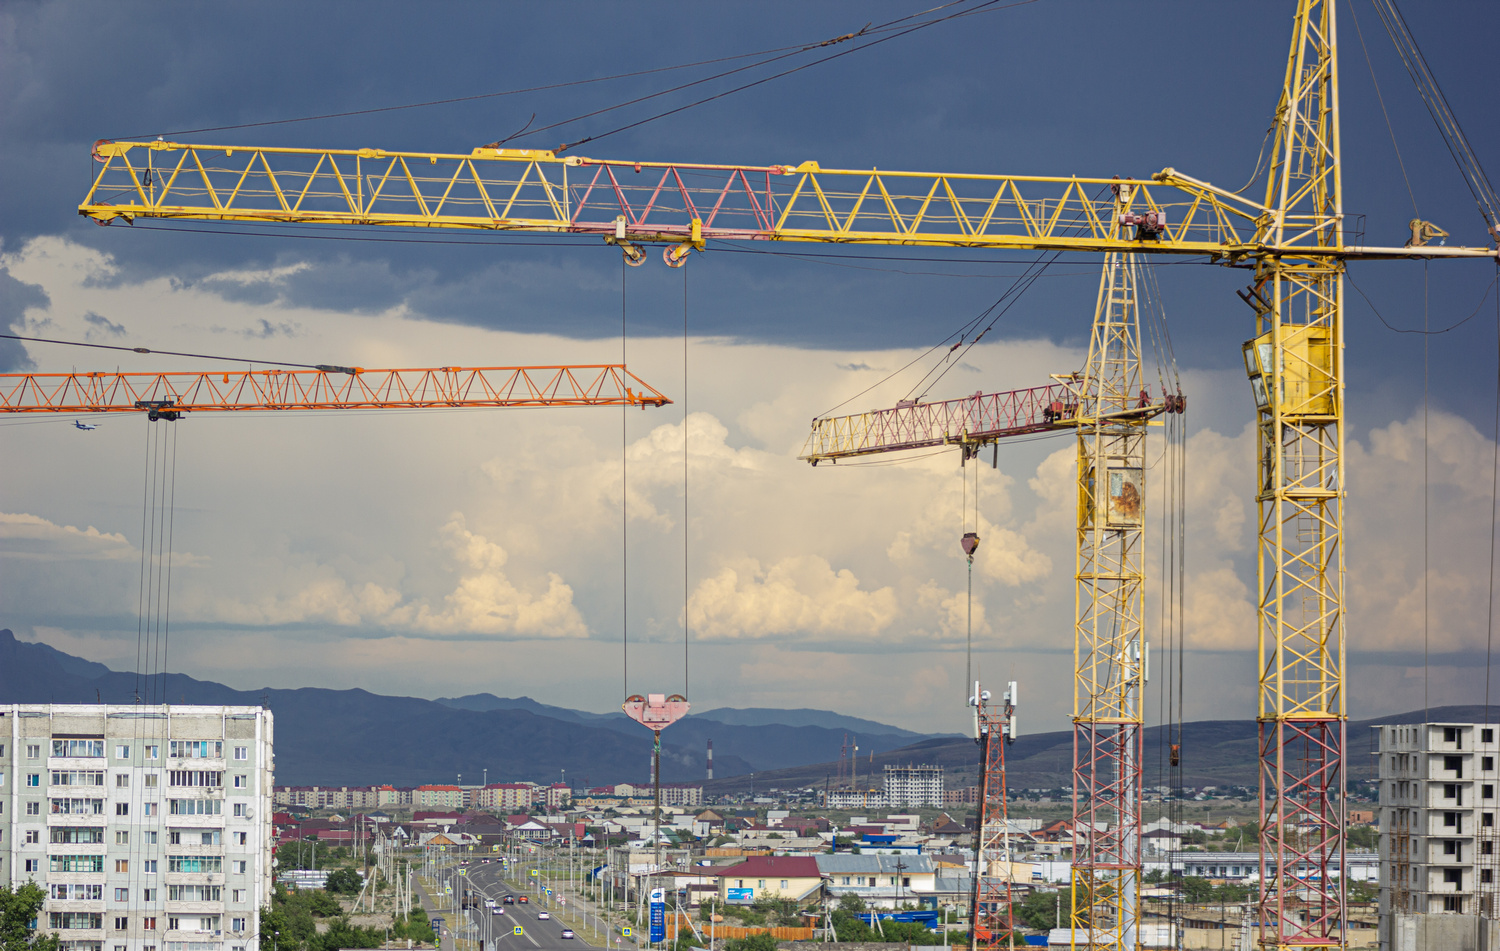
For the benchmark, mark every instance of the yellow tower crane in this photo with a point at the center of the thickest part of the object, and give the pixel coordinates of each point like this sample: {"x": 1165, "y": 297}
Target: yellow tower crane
{"x": 1294, "y": 240}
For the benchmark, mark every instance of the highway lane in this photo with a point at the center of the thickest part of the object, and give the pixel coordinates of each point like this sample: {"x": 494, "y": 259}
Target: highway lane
{"x": 537, "y": 935}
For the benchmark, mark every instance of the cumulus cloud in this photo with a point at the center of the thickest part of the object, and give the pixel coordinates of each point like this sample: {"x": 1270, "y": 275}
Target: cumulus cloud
{"x": 34, "y": 538}
{"x": 799, "y": 595}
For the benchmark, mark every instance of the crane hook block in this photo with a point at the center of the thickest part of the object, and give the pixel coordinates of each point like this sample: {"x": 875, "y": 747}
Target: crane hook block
{"x": 655, "y": 711}
{"x": 970, "y": 543}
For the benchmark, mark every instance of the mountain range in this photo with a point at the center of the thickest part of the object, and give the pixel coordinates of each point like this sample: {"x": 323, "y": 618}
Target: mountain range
{"x": 354, "y": 737}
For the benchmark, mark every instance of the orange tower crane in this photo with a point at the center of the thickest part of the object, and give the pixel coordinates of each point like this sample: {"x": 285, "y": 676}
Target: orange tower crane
{"x": 1295, "y": 241}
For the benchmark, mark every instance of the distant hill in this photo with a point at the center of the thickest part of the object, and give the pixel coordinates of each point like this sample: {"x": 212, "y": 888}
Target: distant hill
{"x": 354, "y": 737}
{"x": 763, "y": 716}
{"x": 1214, "y": 753}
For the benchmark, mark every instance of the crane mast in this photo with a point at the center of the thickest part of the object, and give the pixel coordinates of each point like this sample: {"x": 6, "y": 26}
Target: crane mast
{"x": 1293, "y": 241}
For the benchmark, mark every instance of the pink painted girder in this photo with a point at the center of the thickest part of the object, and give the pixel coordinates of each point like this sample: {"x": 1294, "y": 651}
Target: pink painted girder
{"x": 655, "y": 711}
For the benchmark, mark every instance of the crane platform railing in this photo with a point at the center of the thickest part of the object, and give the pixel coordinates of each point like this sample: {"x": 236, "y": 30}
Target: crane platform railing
{"x": 967, "y": 421}
{"x": 325, "y": 388}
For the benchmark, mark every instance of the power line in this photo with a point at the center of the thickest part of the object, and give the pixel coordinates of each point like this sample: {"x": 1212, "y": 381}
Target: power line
{"x": 174, "y": 353}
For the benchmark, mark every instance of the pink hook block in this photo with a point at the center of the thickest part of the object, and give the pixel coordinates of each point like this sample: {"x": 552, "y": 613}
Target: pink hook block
{"x": 655, "y": 711}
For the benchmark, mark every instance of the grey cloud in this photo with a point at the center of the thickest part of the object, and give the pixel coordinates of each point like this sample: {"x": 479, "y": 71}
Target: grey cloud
{"x": 16, "y": 297}
{"x": 104, "y": 324}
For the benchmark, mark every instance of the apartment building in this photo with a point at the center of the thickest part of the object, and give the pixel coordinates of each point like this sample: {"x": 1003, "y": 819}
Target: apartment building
{"x": 914, "y": 786}
{"x": 1438, "y": 842}
{"x": 148, "y": 826}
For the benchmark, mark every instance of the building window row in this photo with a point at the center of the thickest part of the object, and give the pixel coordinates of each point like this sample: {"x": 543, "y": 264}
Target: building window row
{"x": 195, "y": 807}
{"x": 195, "y": 777}
{"x": 196, "y": 749}
{"x": 92, "y": 749}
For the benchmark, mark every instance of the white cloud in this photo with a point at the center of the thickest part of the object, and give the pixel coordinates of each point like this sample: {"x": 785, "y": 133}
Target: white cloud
{"x": 36, "y": 539}
{"x": 802, "y": 595}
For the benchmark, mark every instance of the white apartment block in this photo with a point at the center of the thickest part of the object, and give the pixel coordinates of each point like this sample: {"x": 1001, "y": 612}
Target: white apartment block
{"x": 1438, "y": 842}
{"x": 913, "y": 786}
{"x": 148, "y": 826}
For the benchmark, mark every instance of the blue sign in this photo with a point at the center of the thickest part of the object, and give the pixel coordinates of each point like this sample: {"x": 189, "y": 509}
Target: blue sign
{"x": 658, "y": 919}
{"x": 739, "y": 896}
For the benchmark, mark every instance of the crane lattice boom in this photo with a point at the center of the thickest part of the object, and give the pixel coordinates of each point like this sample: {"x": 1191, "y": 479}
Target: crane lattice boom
{"x": 326, "y": 389}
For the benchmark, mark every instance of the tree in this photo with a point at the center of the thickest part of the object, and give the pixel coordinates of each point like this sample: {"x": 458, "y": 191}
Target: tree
{"x": 1197, "y": 890}
{"x": 1042, "y": 910}
{"x": 344, "y": 881}
{"x": 19, "y": 909}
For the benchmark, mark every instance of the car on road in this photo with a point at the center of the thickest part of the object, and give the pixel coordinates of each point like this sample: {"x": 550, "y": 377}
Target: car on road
{"x": 489, "y": 903}
{"x": 509, "y": 900}
{"x": 523, "y": 899}
{"x": 543, "y": 916}
{"x": 567, "y": 932}
{"x": 498, "y": 910}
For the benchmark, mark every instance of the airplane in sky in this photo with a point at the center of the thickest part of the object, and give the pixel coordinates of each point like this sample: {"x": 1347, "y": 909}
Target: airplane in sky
{"x": 80, "y": 424}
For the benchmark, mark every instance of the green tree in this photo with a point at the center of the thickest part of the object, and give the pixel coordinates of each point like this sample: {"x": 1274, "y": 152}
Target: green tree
{"x": 344, "y": 881}
{"x": 1197, "y": 890}
{"x": 1042, "y": 910}
{"x": 19, "y": 909}
{"x": 851, "y": 903}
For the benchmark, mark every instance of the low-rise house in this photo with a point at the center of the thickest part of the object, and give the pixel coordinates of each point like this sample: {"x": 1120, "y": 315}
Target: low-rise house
{"x": 793, "y": 877}
{"x": 883, "y": 881}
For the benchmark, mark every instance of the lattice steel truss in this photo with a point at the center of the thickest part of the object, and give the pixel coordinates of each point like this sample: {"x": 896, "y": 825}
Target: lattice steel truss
{"x": 1109, "y": 670}
{"x": 1296, "y": 368}
{"x": 992, "y": 912}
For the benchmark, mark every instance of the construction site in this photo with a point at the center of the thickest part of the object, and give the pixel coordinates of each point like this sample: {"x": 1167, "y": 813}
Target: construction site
{"x": 1275, "y": 256}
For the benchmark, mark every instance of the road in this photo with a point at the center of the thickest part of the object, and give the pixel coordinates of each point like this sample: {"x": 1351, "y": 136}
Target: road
{"x": 537, "y": 935}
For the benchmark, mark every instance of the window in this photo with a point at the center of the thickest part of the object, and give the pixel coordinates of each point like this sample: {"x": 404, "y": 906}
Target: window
{"x": 846, "y": 879}
{"x": 89, "y": 748}
{"x": 75, "y": 863}
{"x": 148, "y": 923}
{"x": 122, "y": 837}
{"x": 1450, "y": 846}
{"x": 33, "y": 836}
{"x": 195, "y": 749}
{"x": 1450, "y": 734}
{"x": 1487, "y": 848}
{"x": 76, "y": 892}
{"x": 1486, "y": 876}
{"x": 1450, "y": 819}
{"x": 33, "y": 751}
{"x": 122, "y": 752}
{"x": 1487, "y": 820}
{"x": 151, "y": 808}
{"x": 150, "y": 836}
{"x": 783, "y": 883}
{"x": 242, "y": 838}
{"x": 239, "y": 781}
{"x": 761, "y": 883}
{"x": 122, "y": 865}
{"x": 1454, "y": 764}
{"x": 1450, "y": 791}
{"x": 153, "y": 752}
{"x": 239, "y": 809}
{"x": 33, "y": 808}
{"x": 238, "y": 895}
{"x": 1453, "y": 876}
{"x": 122, "y": 808}
{"x": 148, "y": 895}
{"x": 77, "y": 807}
{"x": 150, "y": 780}
{"x": 239, "y": 867}
{"x": 241, "y": 752}
{"x": 1488, "y": 791}
{"x": 195, "y": 863}
{"x": 150, "y": 866}
{"x": 174, "y": 924}
{"x": 33, "y": 865}
{"x": 1487, "y": 736}
{"x": 236, "y": 924}
{"x": 84, "y": 920}
{"x": 122, "y": 780}
{"x": 195, "y": 777}
{"x": 122, "y": 894}
{"x": 33, "y": 779}
{"x": 195, "y": 807}
{"x": 1487, "y": 763}
{"x": 78, "y": 835}
{"x": 78, "y": 777}
{"x": 193, "y": 893}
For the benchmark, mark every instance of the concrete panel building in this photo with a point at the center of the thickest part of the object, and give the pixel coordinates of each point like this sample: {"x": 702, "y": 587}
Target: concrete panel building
{"x": 914, "y": 786}
{"x": 148, "y": 826}
{"x": 1438, "y": 842}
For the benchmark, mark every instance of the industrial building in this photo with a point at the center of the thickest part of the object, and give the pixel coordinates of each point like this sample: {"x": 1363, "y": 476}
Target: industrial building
{"x": 1438, "y": 853}
{"x": 148, "y": 826}
{"x": 913, "y": 787}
